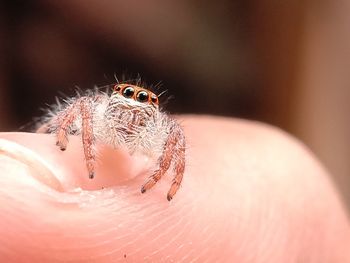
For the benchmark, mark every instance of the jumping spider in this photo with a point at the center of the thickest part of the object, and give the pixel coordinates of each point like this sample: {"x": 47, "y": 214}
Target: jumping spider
{"x": 130, "y": 117}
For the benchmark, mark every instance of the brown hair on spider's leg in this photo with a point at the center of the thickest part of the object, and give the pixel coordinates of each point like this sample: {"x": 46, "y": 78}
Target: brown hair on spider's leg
{"x": 87, "y": 135}
{"x": 65, "y": 121}
{"x": 164, "y": 163}
{"x": 179, "y": 167}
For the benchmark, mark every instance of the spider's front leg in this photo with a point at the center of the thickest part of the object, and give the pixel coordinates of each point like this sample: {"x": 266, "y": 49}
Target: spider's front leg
{"x": 88, "y": 135}
{"x": 179, "y": 164}
{"x": 64, "y": 120}
{"x": 82, "y": 107}
{"x": 173, "y": 152}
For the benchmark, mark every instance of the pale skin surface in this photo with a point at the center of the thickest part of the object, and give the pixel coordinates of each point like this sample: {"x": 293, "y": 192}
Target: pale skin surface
{"x": 250, "y": 194}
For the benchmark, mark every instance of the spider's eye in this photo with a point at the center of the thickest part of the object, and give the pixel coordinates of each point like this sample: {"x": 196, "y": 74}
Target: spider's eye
{"x": 142, "y": 96}
{"x": 154, "y": 99}
{"x": 117, "y": 88}
{"x": 128, "y": 92}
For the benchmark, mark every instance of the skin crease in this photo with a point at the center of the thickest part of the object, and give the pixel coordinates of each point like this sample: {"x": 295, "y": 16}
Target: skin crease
{"x": 250, "y": 194}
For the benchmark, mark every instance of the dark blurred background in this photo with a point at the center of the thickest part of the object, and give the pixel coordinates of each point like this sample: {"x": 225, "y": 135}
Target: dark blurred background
{"x": 286, "y": 63}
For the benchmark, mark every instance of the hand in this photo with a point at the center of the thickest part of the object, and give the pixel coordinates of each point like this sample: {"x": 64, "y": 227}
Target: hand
{"x": 250, "y": 194}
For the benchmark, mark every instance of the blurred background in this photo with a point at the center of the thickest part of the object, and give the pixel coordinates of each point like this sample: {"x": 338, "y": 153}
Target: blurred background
{"x": 286, "y": 63}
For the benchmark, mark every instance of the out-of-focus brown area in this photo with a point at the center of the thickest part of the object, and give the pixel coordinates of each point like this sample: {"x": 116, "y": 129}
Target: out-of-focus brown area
{"x": 282, "y": 62}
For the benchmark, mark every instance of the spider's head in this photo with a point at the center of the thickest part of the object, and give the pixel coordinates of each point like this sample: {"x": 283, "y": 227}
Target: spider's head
{"x": 136, "y": 93}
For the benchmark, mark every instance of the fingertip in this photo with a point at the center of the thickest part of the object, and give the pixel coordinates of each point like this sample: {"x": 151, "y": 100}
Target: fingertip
{"x": 113, "y": 167}
{"x": 36, "y": 166}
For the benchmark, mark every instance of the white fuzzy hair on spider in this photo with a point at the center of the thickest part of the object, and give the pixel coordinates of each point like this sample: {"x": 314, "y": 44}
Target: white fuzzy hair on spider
{"x": 129, "y": 117}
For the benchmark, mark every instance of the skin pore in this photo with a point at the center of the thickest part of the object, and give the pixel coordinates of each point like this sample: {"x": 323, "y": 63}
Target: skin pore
{"x": 250, "y": 193}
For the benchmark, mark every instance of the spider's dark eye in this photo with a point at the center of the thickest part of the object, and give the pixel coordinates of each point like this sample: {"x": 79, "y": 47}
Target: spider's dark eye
{"x": 128, "y": 92}
{"x": 154, "y": 99}
{"x": 117, "y": 88}
{"x": 142, "y": 96}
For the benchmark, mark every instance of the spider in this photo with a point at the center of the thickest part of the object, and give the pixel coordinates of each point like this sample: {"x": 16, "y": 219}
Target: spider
{"x": 130, "y": 117}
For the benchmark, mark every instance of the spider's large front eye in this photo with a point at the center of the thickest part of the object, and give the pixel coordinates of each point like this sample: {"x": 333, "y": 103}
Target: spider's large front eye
{"x": 142, "y": 96}
{"x": 128, "y": 92}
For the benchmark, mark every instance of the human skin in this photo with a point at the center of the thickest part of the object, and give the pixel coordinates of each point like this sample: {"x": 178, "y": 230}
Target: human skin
{"x": 251, "y": 193}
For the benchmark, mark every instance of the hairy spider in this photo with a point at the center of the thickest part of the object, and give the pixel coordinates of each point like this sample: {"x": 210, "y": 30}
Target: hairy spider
{"x": 130, "y": 117}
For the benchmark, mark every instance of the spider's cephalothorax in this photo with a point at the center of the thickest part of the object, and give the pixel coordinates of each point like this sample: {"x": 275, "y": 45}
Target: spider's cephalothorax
{"x": 129, "y": 117}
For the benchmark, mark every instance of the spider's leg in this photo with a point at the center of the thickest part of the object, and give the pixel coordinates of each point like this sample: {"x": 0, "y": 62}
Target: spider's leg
{"x": 174, "y": 151}
{"x": 179, "y": 165}
{"x": 88, "y": 135}
{"x": 164, "y": 162}
{"x": 65, "y": 120}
